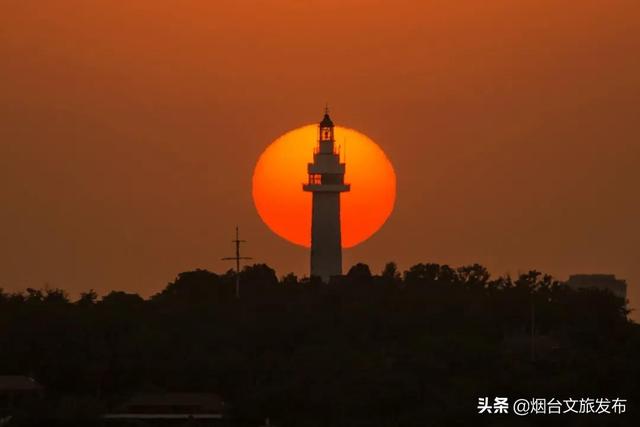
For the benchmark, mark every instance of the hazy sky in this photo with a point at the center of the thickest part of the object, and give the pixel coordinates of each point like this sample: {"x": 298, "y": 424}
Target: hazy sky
{"x": 129, "y": 131}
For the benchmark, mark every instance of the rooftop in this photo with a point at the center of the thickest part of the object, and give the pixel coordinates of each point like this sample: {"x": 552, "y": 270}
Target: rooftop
{"x": 174, "y": 403}
{"x": 326, "y": 121}
{"x": 18, "y": 383}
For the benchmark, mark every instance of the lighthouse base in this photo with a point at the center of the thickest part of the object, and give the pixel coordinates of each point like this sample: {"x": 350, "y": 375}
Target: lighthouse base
{"x": 326, "y": 242}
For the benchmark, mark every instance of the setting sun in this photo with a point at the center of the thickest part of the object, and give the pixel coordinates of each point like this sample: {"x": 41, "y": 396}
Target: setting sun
{"x": 286, "y": 209}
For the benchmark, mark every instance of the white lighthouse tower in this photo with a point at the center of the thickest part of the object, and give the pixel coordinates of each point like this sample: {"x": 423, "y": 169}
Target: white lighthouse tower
{"x": 326, "y": 182}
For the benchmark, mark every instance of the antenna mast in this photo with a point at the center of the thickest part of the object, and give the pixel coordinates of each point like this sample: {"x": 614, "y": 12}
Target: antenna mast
{"x": 345, "y": 149}
{"x": 237, "y": 259}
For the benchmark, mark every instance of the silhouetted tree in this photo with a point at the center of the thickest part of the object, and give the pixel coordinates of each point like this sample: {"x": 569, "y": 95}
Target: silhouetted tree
{"x": 390, "y": 274}
{"x": 289, "y": 280}
{"x": 87, "y": 299}
{"x": 121, "y": 300}
{"x": 360, "y": 274}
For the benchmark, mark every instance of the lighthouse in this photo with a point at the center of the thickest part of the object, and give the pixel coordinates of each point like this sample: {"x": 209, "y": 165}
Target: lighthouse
{"x": 326, "y": 182}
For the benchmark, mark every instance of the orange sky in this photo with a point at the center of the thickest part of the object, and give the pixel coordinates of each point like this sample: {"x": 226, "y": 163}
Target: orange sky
{"x": 129, "y": 132}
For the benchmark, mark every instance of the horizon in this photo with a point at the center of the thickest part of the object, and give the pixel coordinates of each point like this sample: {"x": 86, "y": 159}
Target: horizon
{"x": 300, "y": 279}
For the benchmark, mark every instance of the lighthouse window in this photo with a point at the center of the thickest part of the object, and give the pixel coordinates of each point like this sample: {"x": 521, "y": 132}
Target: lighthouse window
{"x": 315, "y": 178}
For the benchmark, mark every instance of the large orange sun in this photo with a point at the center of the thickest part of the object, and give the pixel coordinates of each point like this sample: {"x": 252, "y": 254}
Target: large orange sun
{"x": 286, "y": 209}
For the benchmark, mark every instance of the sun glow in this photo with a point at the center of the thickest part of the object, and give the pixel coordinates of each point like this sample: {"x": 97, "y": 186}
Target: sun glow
{"x": 286, "y": 209}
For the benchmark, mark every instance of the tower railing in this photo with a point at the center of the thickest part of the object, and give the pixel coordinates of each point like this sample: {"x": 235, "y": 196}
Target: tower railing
{"x": 336, "y": 151}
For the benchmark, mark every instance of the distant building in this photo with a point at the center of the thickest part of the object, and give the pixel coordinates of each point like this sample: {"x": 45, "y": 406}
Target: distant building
{"x": 605, "y": 282}
{"x": 17, "y": 390}
{"x": 165, "y": 407}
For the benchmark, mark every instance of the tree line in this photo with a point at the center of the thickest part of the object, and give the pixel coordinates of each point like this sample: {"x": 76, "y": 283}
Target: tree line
{"x": 388, "y": 349}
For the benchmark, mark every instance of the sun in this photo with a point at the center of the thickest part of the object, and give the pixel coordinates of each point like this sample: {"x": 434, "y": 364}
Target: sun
{"x": 286, "y": 209}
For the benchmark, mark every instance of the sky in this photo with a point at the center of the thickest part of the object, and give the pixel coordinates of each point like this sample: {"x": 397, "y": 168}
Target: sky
{"x": 129, "y": 131}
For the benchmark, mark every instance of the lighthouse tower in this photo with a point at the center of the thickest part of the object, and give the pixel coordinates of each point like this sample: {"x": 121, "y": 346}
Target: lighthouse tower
{"x": 326, "y": 182}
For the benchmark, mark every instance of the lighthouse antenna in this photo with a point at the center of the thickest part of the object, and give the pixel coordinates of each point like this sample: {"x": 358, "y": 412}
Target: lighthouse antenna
{"x": 345, "y": 149}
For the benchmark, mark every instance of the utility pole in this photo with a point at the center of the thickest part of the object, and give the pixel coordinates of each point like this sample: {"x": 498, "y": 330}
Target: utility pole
{"x": 237, "y": 259}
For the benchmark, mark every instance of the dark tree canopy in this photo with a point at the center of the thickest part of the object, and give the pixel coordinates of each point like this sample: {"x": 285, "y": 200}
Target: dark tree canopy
{"x": 408, "y": 348}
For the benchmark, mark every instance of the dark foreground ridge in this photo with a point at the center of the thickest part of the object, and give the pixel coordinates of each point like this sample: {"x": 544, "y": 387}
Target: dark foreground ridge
{"x": 411, "y": 349}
